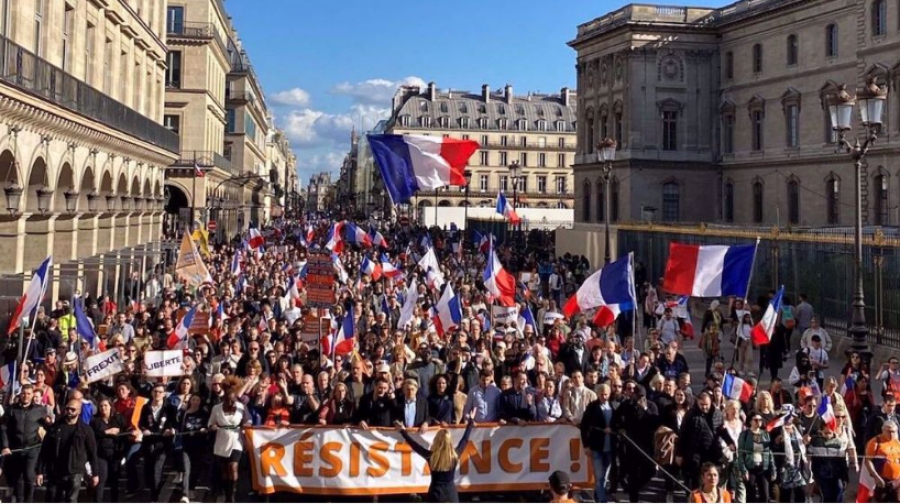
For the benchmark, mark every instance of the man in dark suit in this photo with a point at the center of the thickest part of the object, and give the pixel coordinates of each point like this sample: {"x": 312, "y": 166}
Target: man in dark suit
{"x": 516, "y": 404}
{"x": 377, "y": 409}
{"x": 412, "y": 409}
{"x": 573, "y": 355}
{"x": 599, "y": 439}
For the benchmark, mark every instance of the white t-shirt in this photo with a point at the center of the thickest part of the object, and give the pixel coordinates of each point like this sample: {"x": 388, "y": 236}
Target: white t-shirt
{"x": 227, "y": 437}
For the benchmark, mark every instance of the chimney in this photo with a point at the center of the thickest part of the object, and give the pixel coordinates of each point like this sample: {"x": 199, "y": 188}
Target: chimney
{"x": 564, "y": 94}
{"x": 432, "y": 91}
{"x": 508, "y": 93}
{"x": 486, "y": 93}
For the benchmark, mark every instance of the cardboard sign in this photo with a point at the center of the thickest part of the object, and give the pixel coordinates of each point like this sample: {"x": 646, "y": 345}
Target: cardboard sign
{"x": 103, "y": 365}
{"x": 320, "y": 280}
{"x": 313, "y": 327}
{"x": 200, "y": 324}
{"x": 505, "y": 315}
{"x": 161, "y": 363}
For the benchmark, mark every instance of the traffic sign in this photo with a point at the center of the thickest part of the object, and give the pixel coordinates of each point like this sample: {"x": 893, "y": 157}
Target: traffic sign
{"x": 211, "y": 226}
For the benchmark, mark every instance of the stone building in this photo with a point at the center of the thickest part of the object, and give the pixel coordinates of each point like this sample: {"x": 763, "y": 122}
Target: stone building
{"x": 535, "y": 130}
{"x": 82, "y": 145}
{"x": 720, "y": 114}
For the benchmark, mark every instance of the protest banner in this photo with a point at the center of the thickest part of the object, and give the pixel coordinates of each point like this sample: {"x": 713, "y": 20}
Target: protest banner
{"x": 102, "y": 365}
{"x": 190, "y": 265}
{"x": 319, "y": 280}
{"x": 164, "y": 363}
{"x": 505, "y": 314}
{"x": 313, "y": 327}
{"x": 200, "y": 324}
{"x": 331, "y": 461}
{"x": 550, "y": 318}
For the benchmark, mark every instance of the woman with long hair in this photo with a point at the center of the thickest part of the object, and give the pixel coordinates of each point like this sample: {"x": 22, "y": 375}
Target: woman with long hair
{"x": 226, "y": 421}
{"x": 194, "y": 443}
{"x": 709, "y": 490}
{"x": 729, "y": 434}
{"x": 442, "y": 460}
{"x": 107, "y": 425}
{"x": 339, "y": 409}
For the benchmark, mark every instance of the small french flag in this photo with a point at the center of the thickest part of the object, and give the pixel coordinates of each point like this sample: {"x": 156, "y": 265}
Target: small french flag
{"x": 236, "y": 264}
{"x": 256, "y": 239}
{"x": 507, "y": 210}
{"x": 826, "y": 412}
{"x": 388, "y": 269}
{"x": 198, "y": 171}
{"x": 179, "y": 337}
{"x": 736, "y": 389}
{"x": 377, "y": 238}
{"x": 763, "y": 331}
{"x": 371, "y": 268}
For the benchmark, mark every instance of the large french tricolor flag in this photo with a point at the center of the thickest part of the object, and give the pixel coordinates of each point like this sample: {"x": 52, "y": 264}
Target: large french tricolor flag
{"x": 611, "y": 285}
{"x": 500, "y": 284}
{"x": 736, "y": 389}
{"x": 606, "y": 315}
{"x": 449, "y": 311}
{"x": 411, "y": 163}
{"x": 256, "y": 239}
{"x": 371, "y": 268}
{"x": 179, "y": 337}
{"x": 763, "y": 331}
{"x": 388, "y": 269}
{"x": 709, "y": 270}
{"x": 507, "y": 210}
{"x": 33, "y": 294}
{"x": 357, "y": 235}
{"x": 377, "y": 239}
{"x": 342, "y": 344}
{"x": 335, "y": 242}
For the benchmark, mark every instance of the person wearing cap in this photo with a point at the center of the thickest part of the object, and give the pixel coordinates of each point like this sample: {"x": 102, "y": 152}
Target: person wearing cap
{"x": 560, "y": 486}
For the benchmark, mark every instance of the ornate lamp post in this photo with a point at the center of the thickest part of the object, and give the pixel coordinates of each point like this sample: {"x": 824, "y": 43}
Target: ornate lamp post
{"x": 871, "y": 100}
{"x": 468, "y": 175}
{"x": 515, "y": 170}
{"x": 606, "y": 154}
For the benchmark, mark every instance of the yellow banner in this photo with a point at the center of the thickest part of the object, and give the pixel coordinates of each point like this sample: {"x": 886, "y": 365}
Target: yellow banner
{"x": 201, "y": 238}
{"x": 190, "y": 265}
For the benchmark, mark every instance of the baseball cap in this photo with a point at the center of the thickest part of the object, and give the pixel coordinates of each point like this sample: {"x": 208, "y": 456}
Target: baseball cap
{"x": 560, "y": 482}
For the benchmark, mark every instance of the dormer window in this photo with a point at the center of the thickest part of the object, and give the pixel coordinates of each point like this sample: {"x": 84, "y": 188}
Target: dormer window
{"x": 463, "y": 109}
{"x": 444, "y": 108}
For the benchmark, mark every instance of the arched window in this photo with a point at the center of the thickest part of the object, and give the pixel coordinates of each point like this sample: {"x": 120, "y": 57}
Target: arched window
{"x": 601, "y": 200}
{"x": 728, "y": 213}
{"x": 586, "y": 202}
{"x": 793, "y": 194}
{"x": 589, "y": 138}
{"x": 671, "y": 202}
{"x": 881, "y": 200}
{"x": 833, "y": 192}
{"x": 831, "y": 40}
{"x": 879, "y": 17}
{"x": 757, "y": 202}
{"x": 793, "y": 49}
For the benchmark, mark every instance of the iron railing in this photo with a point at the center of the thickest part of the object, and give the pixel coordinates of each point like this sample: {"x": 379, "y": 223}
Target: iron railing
{"x": 816, "y": 262}
{"x": 510, "y": 146}
{"x": 187, "y": 29}
{"x": 205, "y": 159}
{"x": 23, "y": 69}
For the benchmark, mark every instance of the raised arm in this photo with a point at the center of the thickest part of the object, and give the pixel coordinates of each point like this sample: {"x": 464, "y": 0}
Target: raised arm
{"x": 465, "y": 439}
{"x": 423, "y": 452}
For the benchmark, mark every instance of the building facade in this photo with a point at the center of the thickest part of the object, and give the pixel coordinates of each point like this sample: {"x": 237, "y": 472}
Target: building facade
{"x": 82, "y": 146}
{"x": 319, "y": 192}
{"x": 535, "y": 130}
{"x": 721, "y": 114}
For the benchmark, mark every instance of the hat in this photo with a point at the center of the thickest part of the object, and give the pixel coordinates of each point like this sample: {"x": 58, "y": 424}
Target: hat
{"x": 560, "y": 482}
{"x": 71, "y": 358}
{"x": 383, "y": 368}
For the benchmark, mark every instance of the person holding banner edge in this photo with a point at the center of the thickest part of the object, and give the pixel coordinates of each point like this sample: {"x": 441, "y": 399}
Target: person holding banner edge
{"x": 442, "y": 459}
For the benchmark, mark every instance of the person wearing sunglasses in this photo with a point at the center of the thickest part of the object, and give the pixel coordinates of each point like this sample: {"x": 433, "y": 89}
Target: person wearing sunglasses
{"x": 68, "y": 447}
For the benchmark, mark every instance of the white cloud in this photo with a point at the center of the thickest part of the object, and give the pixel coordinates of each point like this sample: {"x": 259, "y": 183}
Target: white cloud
{"x": 295, "y": 97}
{"x": 310, "y": 163}
{"x": 375, "y": 91}
{"x": 308, "y": 127}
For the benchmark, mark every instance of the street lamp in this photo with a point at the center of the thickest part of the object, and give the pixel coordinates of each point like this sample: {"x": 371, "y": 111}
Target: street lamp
{"x": 13, "y": 197}
{"x": 514, "y": 173}
{"x": 71, "y": 196}
{"x": 870, "y": 100}
{"x": 111, "y": 202}
{"x": 44, "y": 194}
{"x": 93, "y": 198}
{"x": 606, "y": 152}
{"x": 468, "y": 175}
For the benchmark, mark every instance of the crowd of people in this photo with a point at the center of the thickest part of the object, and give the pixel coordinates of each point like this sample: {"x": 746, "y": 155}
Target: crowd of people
{"x": 627, "y": 386}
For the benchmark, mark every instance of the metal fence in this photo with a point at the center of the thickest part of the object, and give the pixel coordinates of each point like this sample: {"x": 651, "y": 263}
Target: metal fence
{"x": 815, "y": 262}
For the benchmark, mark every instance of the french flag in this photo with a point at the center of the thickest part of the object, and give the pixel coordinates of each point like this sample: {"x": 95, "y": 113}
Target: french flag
{"x": 866, "y": 489}
{"x": 8, "y": 375}
{"x": 179, "y": 337}
{"x": 310, "y": 233}
{"x": 763, "y": 331}
{"x": 527, "y": 318}
{"x": 485, "y": 242}
{"x": 343, "y": 276}
{"x": 826, "y": 412}
{"x": 198, "y": 171}
{"x": 342, "y": 343}
{"x": 371, "y": 268}
{"x": 220, "y": 312}
{"x": 236, "y": 264}
{"x": 33, "y": 294}
{"x": 293, "y": 291}
{"x": 709, "y": 270}
{"x": 377, "y": 239}
{"x": 335, "y": 243}
{"x": 388, "y": 269}
{"x": 848, "y": 387}
{"x": 358, "y": 236}
{"x": 256, "y": 239}
{"x": 507, "y": 210}
{"x": 611, "y": 285}
{"x": 606, "y": 315}
{"x": 500, "y": 284}
{"x": 779, "y": 420}
{"x": 449, "y": 312}
{"x": 413, "y": 163}
{"x": 736, "y": 389}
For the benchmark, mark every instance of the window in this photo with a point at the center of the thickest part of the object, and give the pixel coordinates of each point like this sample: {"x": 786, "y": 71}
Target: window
{"x": 881, "y": 200}
{"x": 89, "y": 42}
{"x": 757, "y": 202}
{"x": 67, "y": 28}
{"x": 230, "y": 121}
{"x": 756, "y": 122}
{"x": 504, "y": 141}
{"x": 560, "y": 185}
{"x": 729, "y": 65}
{"x": 561, "y": 160}
{"x": 172, "y": 123}
{"x": 503, "y": 124}
{"x": 542, "y": 184}
{"x": 590, "y": 139}
{"x": 250, "y": 126}
{"x": 670, "y": 130}
{"x": 792, "y": 117}
{"x": 39, "y": 27}
{"x": 522, "y": 125}
{"x": 483, "y": 123}
{"x": 728, "y": 211}
{"x": 542, "y": 160}
{"x": 484, "y": 158}
{"x": 465, "y": 137}
{"x": 601, "y": 201}
{"x": 671, "y": 202}
{"x": 5, "y": 16}
{"x": 542, "y": 125}
{"x": 728, "y": 133}
{"x": 503, "y": 159}
{"x": 173, "y": 72}
{"x": 879, "y": 17}
{"x": 123, "y": 74}
{"x": 831, "y": 40}
{"x": 560, "y": 126}
{"x": 542, "y": 142}
{"x": 425, "y": 121}
{"x": 484, "y": 140}
{"x": 793, "y": 193}
{"x": 483, "y": 183}
{"x": 604, "y": 124}
{"x": 504, "y": 183}
{"x": 175, "y": 20}
{"x": 586, "y": 202}
{"x": 523, "y": 141}
{"x": 757, "y": 58}
{"x": 464, "y": 123}
{"x": 833, "y": 191}
{"x": 562, "y": 143}
{"x": 523, "y": 159}
{"x": 107, "y": 64}
{"x": 618, "y": 127}
{"x": 444, "y": 121}
{"x": 444, "y": 107}
{"x": 793, "y": 50}
{"x": 523, "y": 183}
{"x": 136, "y": 86}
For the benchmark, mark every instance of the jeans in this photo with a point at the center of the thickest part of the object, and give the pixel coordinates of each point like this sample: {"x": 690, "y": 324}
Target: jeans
{"x": 65, "y": 489}
{"x": 154, "y": 462}
{"x": 758, "y": 485}
{"x": 20, "y": 474}
{"x": 602, "y": 462}
{"x": 108, "y": 473}
{"x": 193, "y": 463}
{"x": 832, "y": 489}
{"x": 131, "y": 463}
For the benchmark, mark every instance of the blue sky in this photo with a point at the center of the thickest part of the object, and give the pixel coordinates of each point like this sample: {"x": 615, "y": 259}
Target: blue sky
{"x": 326, "y": 66}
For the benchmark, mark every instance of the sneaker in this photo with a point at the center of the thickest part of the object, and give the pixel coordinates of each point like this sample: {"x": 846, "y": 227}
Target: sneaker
{"x": 185, "y": 499}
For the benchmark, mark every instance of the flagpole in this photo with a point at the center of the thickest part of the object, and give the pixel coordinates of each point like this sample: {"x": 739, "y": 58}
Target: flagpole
{"x": 752, "y": 267}
{"x": 33, "y": 322}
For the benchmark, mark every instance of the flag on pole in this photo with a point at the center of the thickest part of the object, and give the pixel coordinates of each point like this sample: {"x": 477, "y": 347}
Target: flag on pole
{"x": 83, "y": 325}
{"x": 371, "y": 268}
{"x": 357, "y": 235}
{"x": 33, "y": 294}
{"x": 432, "y": 269}
{"x": 709, "y": 270}
{"x": 505, "y": 209}
{"x": 613, "y": 284}
{"x": 335, "y": 242}
{"x": 388, "y": 269}
{"x": 826, "y": 412}
{"x": 198, "y": 171}
{"x": 736, "y": 389}
{"x": 449, "y": 311}
{"x": 342, "y": 342}
{"x": 256, "y": 238}
{"x": 179, "y": 337}
{"x": 762, "y": 332}
{"x": 377, "y": 239}
{"x": 500, "y": 284}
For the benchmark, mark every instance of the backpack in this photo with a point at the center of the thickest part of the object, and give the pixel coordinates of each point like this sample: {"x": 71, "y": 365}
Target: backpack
{"x": 787, "y": 317}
